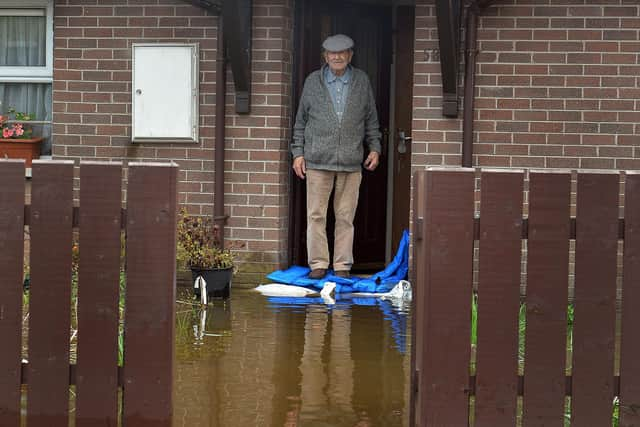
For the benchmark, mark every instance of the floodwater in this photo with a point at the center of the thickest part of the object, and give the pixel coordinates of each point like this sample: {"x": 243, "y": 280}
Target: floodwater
{"x": 254, "y": 360}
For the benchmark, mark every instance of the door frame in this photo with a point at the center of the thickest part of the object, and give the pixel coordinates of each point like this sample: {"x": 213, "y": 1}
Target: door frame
{"x": 296, "y": 190}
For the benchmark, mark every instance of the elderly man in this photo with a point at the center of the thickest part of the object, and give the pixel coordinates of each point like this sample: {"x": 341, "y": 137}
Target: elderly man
{"x": 336, "y": 119}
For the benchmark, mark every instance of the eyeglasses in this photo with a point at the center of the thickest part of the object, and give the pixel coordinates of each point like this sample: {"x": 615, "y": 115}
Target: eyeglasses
{"x": 340, "y": 53}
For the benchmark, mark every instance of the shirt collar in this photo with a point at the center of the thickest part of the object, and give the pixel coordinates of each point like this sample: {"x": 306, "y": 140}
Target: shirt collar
{"x": 330, "y": 77}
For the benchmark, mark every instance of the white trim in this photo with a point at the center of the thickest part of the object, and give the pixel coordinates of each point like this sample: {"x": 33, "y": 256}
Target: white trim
{"x": 26, "y": 4}
{"x": 31, "y": 74}
{"x": 391, "y": 138}
{"x": 20, "y": 79}
{"x": 23, "y": 12}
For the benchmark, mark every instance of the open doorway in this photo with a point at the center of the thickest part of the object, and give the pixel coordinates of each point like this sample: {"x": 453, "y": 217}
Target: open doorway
{"x": 383, "y": 35}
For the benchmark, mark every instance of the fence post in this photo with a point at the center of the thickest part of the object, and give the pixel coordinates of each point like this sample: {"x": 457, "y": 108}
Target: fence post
{"x": 500, "y": 248}
{"x": 98, "y": 291}
{"x": 50, "y": 293}
{"x": 150, "y": 295}
{"x": 445, "y": 296}
{"x": 417, "y": 273}
{"x": 547, "y": 289}
{"x": 595, "y": 298}
{"x": 11, "y": 258}
{"x": 630, "y": 345}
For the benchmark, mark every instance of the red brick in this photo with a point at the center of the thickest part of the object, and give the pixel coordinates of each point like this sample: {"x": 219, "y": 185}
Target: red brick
{"x": 590, "y": 163}
{"x": 567, "y": 23}
{"x": 530, "y": 115}
{"x": 598, "y": 139}
{"x": 566, "y": 115}
{"x": 580, "y": 151}
{"x": 620, "y": 35}
{"x": 547, "y": 127}
{"x": 580, "y": 127}
{"x": 532, "y": 69}
{"x": 618, "y": 152}
{"x": 562, "y": 139}
{"x": 585, "y": 34}
{"x": 565, "y": 46}
{"x": 512, "y": 150}
{"x": 529, "y": 138}
{"x": 527, "y": 162}
{"x": 629, "y": 164}
{"x": 583, "y": 82}
{"x": 585, "y": 11}
{"x": 550, "y": 34}
{"x": 532, "y": 22}
{"x": 562, "y": 163}
{"x": 546, "y": 150}
{"x": 550, "y": 58}
{"x": 550, "y": 11}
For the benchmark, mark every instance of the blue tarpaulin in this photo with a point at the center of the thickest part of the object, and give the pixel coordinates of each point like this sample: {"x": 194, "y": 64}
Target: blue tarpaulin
{"x": 380, "y": 282}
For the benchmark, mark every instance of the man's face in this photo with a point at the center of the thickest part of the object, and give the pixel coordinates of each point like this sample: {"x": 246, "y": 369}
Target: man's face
{"x": 338, "y": 61}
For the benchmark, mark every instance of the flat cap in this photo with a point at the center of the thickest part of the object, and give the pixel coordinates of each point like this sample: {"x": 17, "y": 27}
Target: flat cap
{"x": 337, "y": 43}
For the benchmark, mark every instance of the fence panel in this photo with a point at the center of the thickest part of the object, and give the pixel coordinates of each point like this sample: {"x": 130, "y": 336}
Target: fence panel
{"x": 418, "y": 277}
{"x": 500, "y": 246}
{"x": 630, "y": 345}
{"x": 50, "y": 293}
{"x": 11, "y": 261}
{"x": 98, "y": 291}
{"x": 595, "y": 299}
{"x": 150, "y": 296}
{"x": 547, "y": 296}
{"x": 448, "y": 235}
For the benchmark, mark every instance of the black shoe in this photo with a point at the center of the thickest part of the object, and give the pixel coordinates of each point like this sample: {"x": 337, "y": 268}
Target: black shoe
{"x": 317, "y": 273}
{"x": 343, "y": 274}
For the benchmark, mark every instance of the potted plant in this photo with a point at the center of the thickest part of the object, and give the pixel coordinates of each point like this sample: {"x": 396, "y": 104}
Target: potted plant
{"x": 199, "y": 250}
{"x": 16, "y": 139}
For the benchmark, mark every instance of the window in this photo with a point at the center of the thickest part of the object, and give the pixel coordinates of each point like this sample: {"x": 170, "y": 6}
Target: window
{"x": 26, "y": 61}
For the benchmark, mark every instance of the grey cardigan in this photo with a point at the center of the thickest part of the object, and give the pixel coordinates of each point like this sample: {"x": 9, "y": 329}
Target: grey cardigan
{"x": 324, "y": 141}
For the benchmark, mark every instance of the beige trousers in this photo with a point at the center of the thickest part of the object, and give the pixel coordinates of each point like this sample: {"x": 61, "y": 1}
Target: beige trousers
{"x": 345, "y": 201}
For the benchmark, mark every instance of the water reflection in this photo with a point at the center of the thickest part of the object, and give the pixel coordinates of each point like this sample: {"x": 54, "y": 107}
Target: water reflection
{"x": 269, "y": 361}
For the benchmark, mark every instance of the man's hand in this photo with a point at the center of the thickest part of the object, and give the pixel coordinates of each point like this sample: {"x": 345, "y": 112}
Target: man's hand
{"x": 300, "y": 167}
{"x": 371, "y": 163}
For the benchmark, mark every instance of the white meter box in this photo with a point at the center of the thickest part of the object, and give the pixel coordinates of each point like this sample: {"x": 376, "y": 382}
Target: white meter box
{"x": 165, "y": 92}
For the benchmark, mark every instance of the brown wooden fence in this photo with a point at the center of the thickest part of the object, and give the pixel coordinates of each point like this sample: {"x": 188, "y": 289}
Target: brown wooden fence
{"x": 457, "y": 386}
{"x": 141, "y": 390}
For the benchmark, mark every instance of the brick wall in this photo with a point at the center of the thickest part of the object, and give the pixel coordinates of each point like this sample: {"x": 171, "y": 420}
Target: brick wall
{"x": 257, "y": 145}
{"x": 558, "y": 86}
{"x": 92, "y": 110}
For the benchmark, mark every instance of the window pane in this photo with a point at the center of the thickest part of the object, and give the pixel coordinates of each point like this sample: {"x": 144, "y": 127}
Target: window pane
{"x": 23, "y": 41}
{"x": 30, "y": 98}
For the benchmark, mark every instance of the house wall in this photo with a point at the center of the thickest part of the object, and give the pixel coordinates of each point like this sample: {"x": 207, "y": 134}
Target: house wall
{"x": 92, "y": 111}
{"x": 558, "y": 86}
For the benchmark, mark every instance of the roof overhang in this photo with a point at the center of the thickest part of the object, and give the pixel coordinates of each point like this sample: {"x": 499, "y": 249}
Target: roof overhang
{"x": 448, "y": 20}
{"x": 448, "y": 17}
{"x": 237, "y": 35}
{"x": 236, "y": 15}
{"x": 213, "y": 6}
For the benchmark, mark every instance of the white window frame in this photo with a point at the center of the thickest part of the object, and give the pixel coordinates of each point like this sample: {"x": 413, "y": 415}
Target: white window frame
{"x": 30, "y": 74}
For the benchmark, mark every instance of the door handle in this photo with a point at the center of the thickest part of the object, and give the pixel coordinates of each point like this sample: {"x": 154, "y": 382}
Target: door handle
{"x": 403, "y": 140}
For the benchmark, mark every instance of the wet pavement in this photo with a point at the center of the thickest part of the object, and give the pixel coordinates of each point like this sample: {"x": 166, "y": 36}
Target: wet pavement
{"x": 254, "y": 360}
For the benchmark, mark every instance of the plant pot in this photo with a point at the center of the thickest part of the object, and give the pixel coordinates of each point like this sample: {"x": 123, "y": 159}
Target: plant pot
{"x": 17, "y": 148}
{"x": 218, "y": 281}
